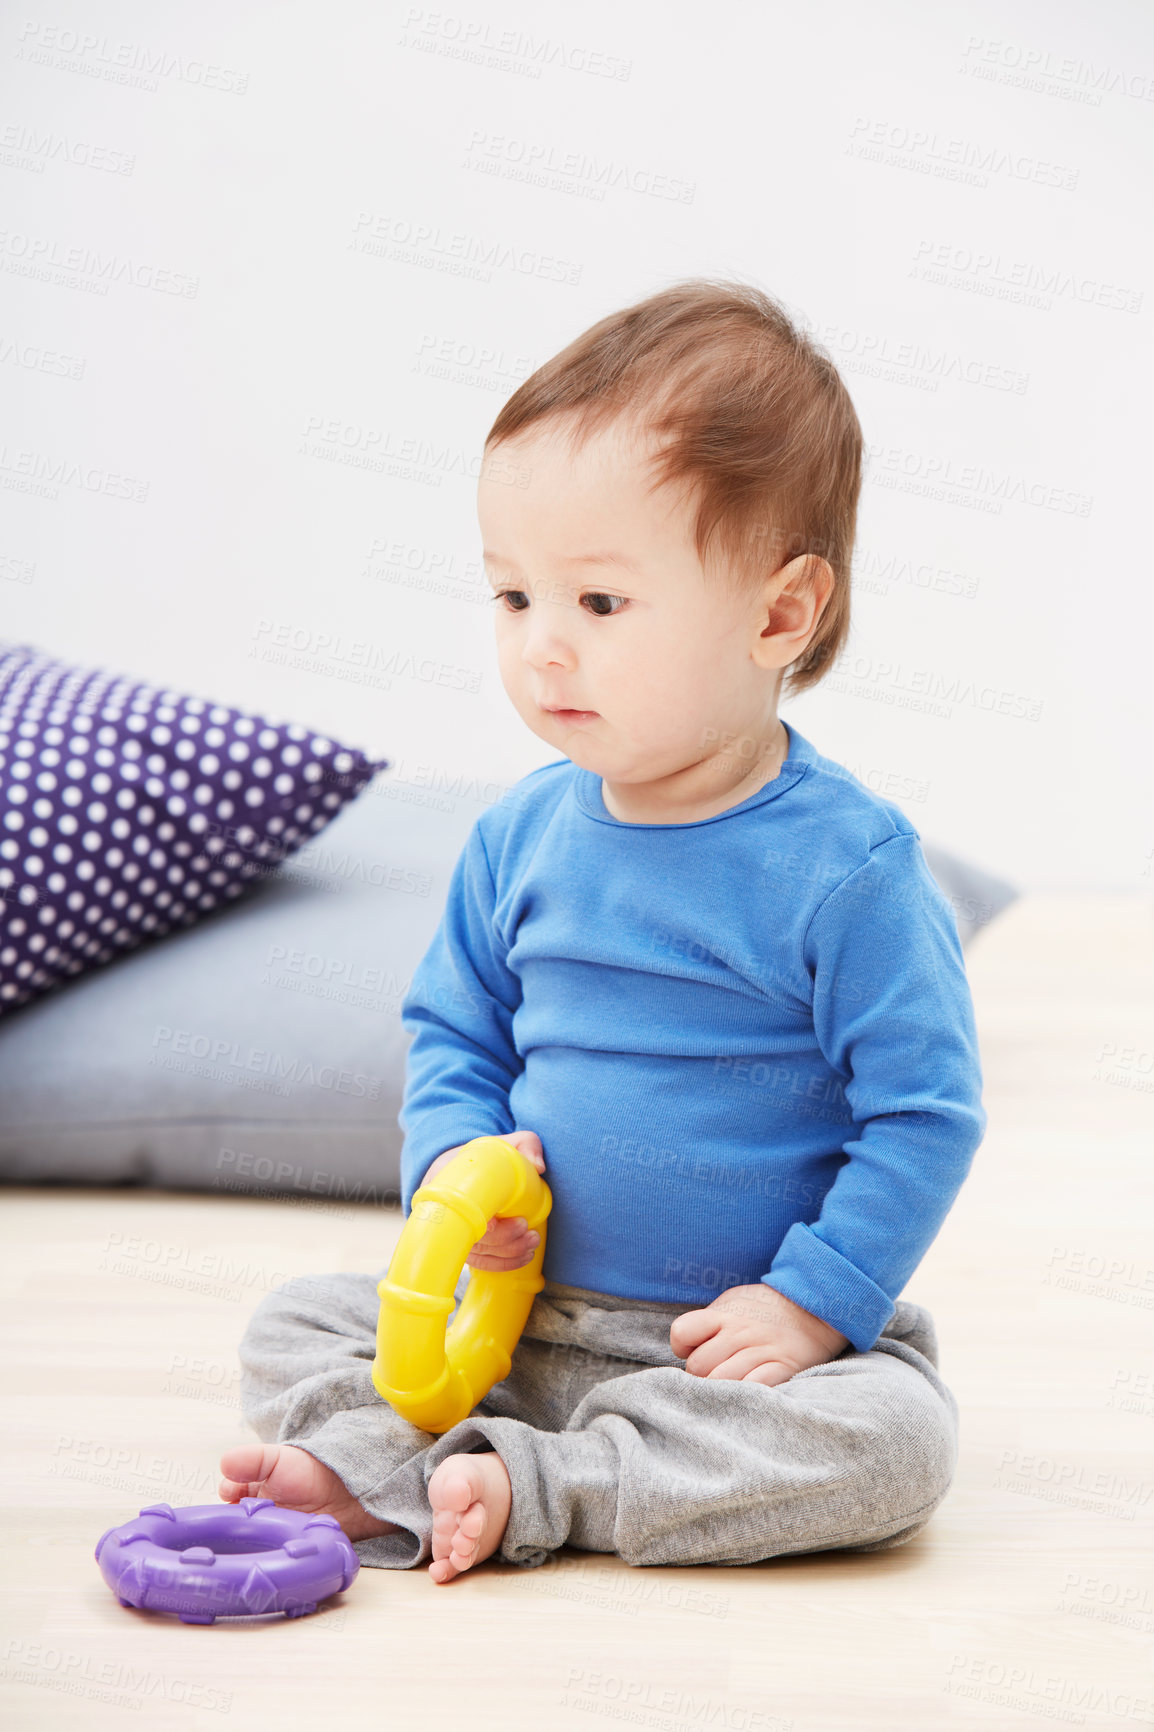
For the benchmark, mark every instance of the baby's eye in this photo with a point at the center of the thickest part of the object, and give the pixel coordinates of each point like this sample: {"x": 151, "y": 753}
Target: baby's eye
{"x": 519, "y": 601}
{"x": 599, "y": 595}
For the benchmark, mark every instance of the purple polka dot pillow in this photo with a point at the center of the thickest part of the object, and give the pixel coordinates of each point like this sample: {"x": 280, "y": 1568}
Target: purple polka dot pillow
{"x": 127, "y": 811}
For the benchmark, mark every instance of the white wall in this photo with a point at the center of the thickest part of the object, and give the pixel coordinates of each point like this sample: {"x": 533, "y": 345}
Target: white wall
{"x": 957, "y": 196}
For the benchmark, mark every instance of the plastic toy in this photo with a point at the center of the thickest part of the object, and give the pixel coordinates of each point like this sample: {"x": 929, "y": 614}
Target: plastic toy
{"x": 214, "y": 1560}
{"x": 435, "y": 1378}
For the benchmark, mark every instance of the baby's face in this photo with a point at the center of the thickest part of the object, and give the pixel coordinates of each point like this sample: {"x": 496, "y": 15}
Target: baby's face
{"x": 603, "y": 608}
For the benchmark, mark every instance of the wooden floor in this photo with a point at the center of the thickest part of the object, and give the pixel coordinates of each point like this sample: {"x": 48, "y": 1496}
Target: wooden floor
{"x": 1029, "y": 1597}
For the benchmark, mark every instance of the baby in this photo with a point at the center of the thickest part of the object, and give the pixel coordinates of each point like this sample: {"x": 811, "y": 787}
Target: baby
{"x": 702, "y": 978}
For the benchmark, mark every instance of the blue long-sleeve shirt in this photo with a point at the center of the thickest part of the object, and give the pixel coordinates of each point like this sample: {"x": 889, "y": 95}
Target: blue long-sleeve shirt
{"x": 746, "y": 1043}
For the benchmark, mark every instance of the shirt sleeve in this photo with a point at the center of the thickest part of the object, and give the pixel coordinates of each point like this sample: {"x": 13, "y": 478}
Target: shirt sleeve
{"x": 459, "y": 1009}
{"x": 894, "y": 1017}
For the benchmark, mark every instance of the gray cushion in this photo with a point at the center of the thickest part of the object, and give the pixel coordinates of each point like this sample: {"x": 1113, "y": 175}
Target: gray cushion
{"x": 974, "y": 895}
{"x": 262, "y": 1049}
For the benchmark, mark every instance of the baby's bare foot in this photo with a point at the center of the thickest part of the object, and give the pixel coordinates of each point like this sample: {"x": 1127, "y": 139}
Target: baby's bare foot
{"x": 296, "y": 1480}
{"x": 471, "y": 1498}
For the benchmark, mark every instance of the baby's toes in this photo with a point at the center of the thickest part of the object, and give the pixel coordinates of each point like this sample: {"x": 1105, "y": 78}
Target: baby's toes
{"x": 468, "y": 1532}
{"x": 444, "y": 1525}
{"x": 450, "y": 1541}
{"x": 290, "y": 1476}
{"x": 470, "y": 1525}
{"x": 245, "y": 1468}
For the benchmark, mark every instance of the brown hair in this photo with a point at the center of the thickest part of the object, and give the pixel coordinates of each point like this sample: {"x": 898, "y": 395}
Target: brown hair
{"x": 751, "y": 413}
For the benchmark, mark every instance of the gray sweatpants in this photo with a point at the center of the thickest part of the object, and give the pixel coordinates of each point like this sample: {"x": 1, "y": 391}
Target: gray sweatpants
{"x": 611, "y": 1445}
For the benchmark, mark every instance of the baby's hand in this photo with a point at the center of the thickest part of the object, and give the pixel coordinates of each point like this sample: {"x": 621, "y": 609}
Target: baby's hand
{"x": 507, "y": 1243}
{"x": 753, "y": 1334}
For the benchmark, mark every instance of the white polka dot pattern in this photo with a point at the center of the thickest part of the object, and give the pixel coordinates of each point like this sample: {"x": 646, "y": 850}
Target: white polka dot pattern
{"x": 126, "y": 811}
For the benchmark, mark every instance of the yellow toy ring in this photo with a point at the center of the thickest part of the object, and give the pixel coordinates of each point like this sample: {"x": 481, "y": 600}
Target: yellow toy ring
{"x": 432, "y": 1377}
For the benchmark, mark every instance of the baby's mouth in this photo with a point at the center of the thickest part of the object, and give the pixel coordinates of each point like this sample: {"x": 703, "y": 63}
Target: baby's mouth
{"x": 571, "y": 718}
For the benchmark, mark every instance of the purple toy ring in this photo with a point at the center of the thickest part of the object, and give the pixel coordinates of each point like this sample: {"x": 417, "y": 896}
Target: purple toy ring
{"x": 213, "y": 1560}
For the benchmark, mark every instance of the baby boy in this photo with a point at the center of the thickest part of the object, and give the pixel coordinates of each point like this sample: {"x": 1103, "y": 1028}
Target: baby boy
{"x": 702, "y": 978}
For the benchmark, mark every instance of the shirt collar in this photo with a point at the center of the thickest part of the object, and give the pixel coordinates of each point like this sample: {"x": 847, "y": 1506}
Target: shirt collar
{"x": 800, "y": 756}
